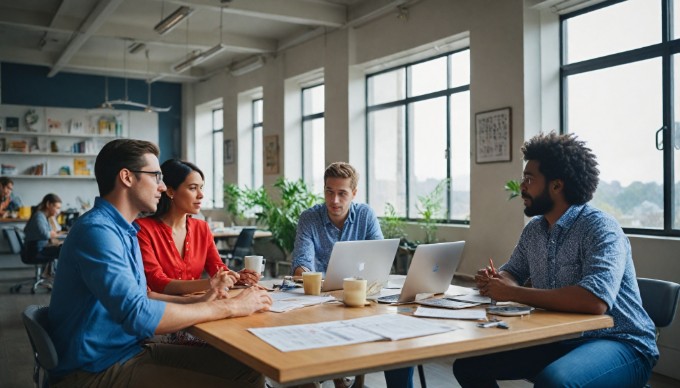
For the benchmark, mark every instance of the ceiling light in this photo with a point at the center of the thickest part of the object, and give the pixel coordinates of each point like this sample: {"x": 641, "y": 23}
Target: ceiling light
{"x": 172, "y": 20}
{"x": 246, "y": 66}
{"x": 135, "y": 47}
{"x": 191, "y": 60}
{"x": 212, "y": 51}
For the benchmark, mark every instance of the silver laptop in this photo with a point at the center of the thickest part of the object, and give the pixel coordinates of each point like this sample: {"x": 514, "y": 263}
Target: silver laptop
{"x": 431, "y": 271}
{"x": 367, "y": 259}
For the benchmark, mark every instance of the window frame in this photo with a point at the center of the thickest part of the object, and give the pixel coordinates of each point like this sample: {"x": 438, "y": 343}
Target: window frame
{"x": 664, "y": 50}
{"x": 406, "y": 103}
{"x": 217, "y": 192}
{"x": 303, "y": 120}
{"x": 253, "y": 147}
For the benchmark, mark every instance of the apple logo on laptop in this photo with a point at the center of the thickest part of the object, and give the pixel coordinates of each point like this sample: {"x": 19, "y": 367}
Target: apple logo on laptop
{"x": 361, "y": 266}
{"x": 435, "y": 268}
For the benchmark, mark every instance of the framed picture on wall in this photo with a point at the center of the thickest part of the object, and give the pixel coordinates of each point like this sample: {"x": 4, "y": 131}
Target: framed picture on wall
{"x": 228, "y": 151}
{"x": 494, "y": 136}
{"x": 271, "y": 154}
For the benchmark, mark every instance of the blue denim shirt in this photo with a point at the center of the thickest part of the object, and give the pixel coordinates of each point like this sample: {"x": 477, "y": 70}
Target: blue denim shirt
{"x": 99, "y": 311}
{"x": 587, "y": 247}
{"x": 316, "y": 234}
{"x": 37, "y": 230}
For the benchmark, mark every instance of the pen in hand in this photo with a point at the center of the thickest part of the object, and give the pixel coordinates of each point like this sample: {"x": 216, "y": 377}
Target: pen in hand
{"x": 492, "y": 268}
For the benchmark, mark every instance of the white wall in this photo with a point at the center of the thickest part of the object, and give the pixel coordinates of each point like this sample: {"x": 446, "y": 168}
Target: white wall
{"x": 513, "y": 64}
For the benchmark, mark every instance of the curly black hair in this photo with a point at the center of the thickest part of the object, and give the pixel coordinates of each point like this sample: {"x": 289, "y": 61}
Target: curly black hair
{"x": 567, "y": 158}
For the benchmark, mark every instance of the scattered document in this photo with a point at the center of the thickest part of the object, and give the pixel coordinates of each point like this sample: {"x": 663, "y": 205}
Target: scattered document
{"x": 396, "y": 326}
{"x": 446, "y": 303}
{"x": 471, "y": 298}
{"x": 428, "y": 312}
{"x": 313, "y": 336}
{"x": 286, "y": 301}
{"x": 347, "y": 332}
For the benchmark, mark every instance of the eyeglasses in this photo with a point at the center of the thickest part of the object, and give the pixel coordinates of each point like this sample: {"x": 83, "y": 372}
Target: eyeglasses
{"x": 525, "y": 180}
{"x": 158, "y": 174}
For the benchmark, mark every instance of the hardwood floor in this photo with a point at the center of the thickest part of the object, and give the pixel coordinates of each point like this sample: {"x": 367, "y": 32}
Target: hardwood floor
{"x": 16, "y": 360}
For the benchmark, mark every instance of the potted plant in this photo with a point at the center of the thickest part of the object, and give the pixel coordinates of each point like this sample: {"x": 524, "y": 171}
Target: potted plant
{"x": 513, "y": 189}
{"x": 429, "y": 208}
{"x": 281, "y": 216}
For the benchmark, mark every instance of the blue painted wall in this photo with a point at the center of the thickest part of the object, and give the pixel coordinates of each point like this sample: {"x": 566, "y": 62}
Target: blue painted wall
{"x": 29, "y": 85}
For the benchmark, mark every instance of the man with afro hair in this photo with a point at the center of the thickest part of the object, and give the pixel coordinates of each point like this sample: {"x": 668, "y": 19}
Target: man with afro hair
{"x": 577, "y": 259}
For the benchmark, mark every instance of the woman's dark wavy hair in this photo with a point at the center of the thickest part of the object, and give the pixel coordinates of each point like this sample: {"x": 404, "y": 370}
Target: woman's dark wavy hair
{"x": 567, "y": 158}
{"x": 175, "y": 171}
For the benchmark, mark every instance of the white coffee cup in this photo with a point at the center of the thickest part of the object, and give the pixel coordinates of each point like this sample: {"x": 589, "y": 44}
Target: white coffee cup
{"x": 254, "y": 263}
{"x": 311, "y": 282}
{"x": 354, "y": 292}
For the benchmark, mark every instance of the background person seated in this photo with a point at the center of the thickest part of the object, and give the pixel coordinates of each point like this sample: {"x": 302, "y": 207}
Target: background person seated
{"x": 41, "y": 233}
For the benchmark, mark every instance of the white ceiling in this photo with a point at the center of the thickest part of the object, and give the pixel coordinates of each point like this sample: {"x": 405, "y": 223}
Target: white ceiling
{"x": 92, "y": 36}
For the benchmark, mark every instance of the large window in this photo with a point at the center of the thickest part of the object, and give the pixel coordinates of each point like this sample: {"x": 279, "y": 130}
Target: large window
{"x": 418, "y": 136}
{"x": 619, "y": 60}
{"x": 313, "y": 145}
{"x": 217, "y": 167}
{"x": 257, "y": 168}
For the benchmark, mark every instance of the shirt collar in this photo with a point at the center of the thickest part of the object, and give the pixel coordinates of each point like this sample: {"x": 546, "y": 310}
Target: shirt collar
{"x": 351, "y": 216}
{"x": 115, "y": 215}
{"x": 570, "y": 216}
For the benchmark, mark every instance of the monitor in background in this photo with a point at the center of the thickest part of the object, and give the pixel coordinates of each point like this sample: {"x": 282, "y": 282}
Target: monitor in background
{"x": 367, "y": 259}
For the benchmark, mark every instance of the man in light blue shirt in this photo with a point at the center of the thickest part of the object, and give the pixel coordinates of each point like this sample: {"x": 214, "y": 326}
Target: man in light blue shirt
{"x": 101, "y": 311}
{"x": 338, "y": 219}
{"x": 578, "y": 260}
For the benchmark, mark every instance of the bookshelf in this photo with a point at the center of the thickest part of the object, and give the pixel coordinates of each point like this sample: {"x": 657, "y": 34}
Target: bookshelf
{"x": 48, "y": 149}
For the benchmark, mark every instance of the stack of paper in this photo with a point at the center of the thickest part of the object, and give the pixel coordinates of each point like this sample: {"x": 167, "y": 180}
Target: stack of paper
{"x": 352, "y": 331}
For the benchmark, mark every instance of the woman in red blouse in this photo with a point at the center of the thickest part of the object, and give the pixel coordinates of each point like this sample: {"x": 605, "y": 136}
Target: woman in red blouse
{"x": 177, "y": 248}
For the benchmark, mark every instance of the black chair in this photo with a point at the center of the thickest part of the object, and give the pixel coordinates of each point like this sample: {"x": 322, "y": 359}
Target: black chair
{"x": 36, "y": 259}
{"x": 660, "y": 300}
{"x": 44, "y": 354}
{"x": 242, "y": 248}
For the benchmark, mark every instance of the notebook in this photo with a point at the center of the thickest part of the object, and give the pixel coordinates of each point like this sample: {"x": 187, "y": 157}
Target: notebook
{"x": 431, "y": 271}
{"x": 367, "y": 259}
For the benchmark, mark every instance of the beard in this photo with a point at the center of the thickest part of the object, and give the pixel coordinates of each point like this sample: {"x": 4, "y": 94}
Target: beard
{"x": 540, "y": 204}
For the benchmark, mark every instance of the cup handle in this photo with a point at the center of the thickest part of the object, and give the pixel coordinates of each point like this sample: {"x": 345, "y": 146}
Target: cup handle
{"x": 263, "y": 265}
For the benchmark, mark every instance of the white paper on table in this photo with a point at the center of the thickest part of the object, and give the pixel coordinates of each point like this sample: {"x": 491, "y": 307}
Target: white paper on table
{"x": 472, "y": 298}
{"x": 460, "y": 290}
{"x": 428, "y": 312}
{"x": 286, "y": 301}
{"x": 396, "y": 326}
{"x": 312, "y": 336}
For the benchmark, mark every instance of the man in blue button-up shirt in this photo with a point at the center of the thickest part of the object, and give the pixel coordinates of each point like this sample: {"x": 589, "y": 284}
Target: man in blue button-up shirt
{"x": 338, "y": 219}
{"x": 101, "y": 311}
{"x": 578, "y": 260}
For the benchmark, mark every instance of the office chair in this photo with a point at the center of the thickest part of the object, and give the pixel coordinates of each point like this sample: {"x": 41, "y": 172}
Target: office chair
{"x": 660, "y": 300}
{"x": 242, "y": 248}
{"x": 16, "y": 242}
{"x": 44, "y": 354}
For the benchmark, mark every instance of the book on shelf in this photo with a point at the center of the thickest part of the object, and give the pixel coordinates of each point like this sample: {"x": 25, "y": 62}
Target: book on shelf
{"x": 17, "y": 146}
{"x": 38, "y": 169}
{"x": 12, "y": 124}
{"x": 80, "y": 167}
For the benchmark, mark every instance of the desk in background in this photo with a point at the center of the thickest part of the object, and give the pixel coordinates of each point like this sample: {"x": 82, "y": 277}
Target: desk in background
{"x": 231, "y": 336}
{"x": 227, "y": 233}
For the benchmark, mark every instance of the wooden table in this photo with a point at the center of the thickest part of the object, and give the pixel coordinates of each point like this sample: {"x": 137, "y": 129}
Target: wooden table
{"x": 231, "y": 336}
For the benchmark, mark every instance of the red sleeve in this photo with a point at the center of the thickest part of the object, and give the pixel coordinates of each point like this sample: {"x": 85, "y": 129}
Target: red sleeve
{"x": 154, "y": 255}
{"x": 203, "y": 240}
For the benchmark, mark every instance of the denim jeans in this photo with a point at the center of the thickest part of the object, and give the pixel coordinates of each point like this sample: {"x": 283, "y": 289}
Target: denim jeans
{"x": 399, "y": 378}
{"x": 572, "y": 363}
